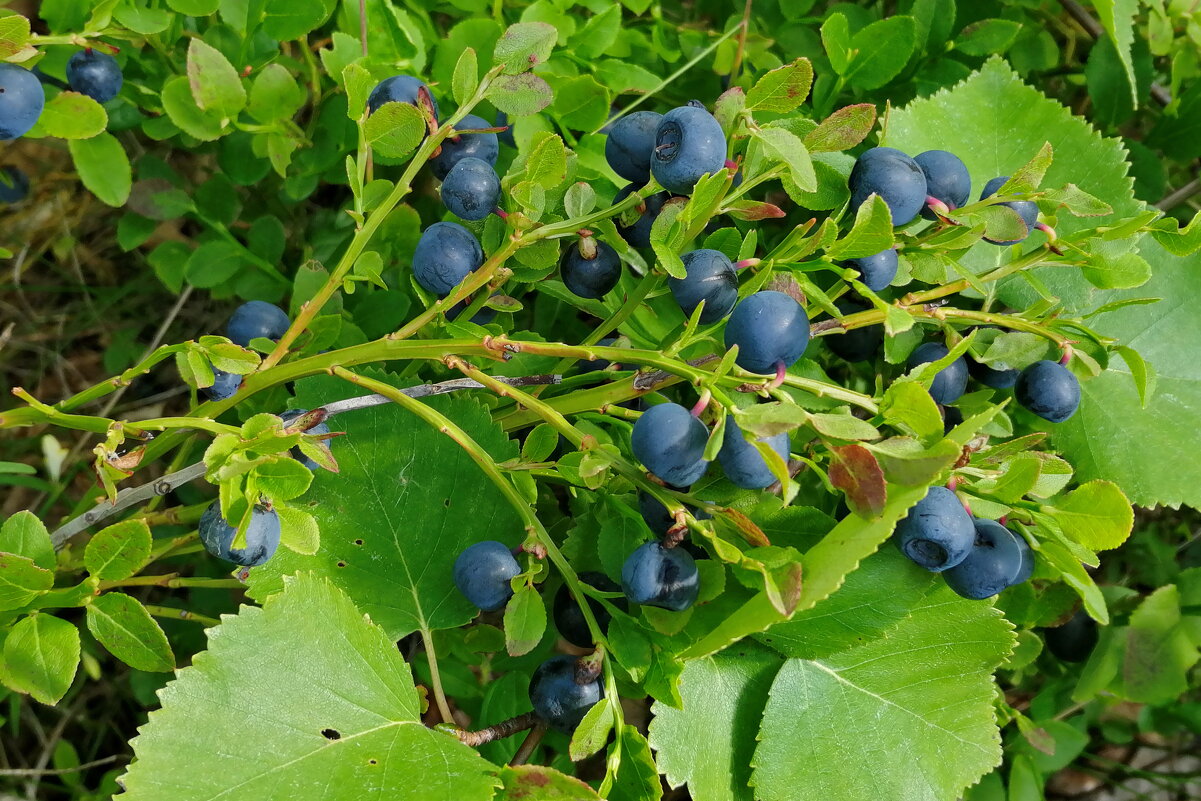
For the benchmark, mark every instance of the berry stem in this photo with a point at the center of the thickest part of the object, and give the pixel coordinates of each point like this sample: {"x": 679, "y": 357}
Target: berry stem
{"x": 702, "y": 403}
{"x": 781, "y": 374}
{"x": 497, "y": 731}
{"x": 937, "y": 206}
{"x": 427, "y": 640}
{"x": 741, "y": 265}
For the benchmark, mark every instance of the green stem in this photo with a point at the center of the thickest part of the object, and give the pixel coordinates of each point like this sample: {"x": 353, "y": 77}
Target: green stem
{"x": 427, "y": 639}
{"x": 171, "y": 613}
{"x": 172, "y": 581}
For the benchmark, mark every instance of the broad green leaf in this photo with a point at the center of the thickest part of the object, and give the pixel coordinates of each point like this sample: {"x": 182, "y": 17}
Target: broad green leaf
{"x": 836, "y": 38}
{"x": 520, "y": 95}
{"x": 924, "y": 689}
{"x": 524, "y": 46}
{"x": 125, "y": 628}
{"x": 70, "y": 115}
{"x": 215, "y": 84}
{"x": 274, "y": 95}
{"x": 590, "y": 736}
{"x": 987, "y": 36}
{"x": 284, "y": 478}
{"x": 870, "y": 234}
{"x": 1065, "y": 563}
{"x": 14, "y": 34}
{"x": 41, "y": 654}
{"x": 395, "y": 129}
{"x": 539, "y": 783}
{"x": 289, "y": 19}
{"x": 118, "y": 551}
{"x": 546, "y": 164}
{"x": 298, "y": 530}
{"x": 214, "y": 263}
{"x": 1117, "y": 17}
{"x": 25, "y": 535}
{"x": 1095, "y": 514}
{"x": 908, "y": 407}
{"x": 906, "y": 461}
{"x": 194, "y": 8}
{"x": 843, "y": 426}
{"x": 709, "y": 741}
{"x": 525, "y": 621}
{"x": 782, "y": 89}
{"x": 466, "y": 76}
{"x": 21, "y": 580}
{"x": 843, "y": 129}
{"x": 406, "y": 502}
{"x": 103, "y": 167}
{"x": 1159, "y": 650}
{"x": 599, "y": 33}
{"x": 1116, "y": 271}
{"x": 323, "y": 699}
{"x": 787, "y": 148}
{"x": 1078, "y": 202}
{"x": 638, "y": 775}
{"x": 581, "y": 103}
{"x": 882, "y": 50}
{"x": 182, "y": 109}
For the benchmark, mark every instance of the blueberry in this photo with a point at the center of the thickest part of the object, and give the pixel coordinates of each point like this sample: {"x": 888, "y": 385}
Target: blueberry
{"x": 1027, "y": 567}
{"x": 471, "y": 189}
{"x": 556, "y": 696}
{"x": 946, "y": 179}
{"x": 569, "y": 620}
{"x": 14, "y": 184}
{"x": 254, "y": 319}
{"x": 95, "y": 74}
{"x": 485, "y": 315}
{"x": 630, "y": 145}
{"x": 1048, "y": 389}
{"x": 656, "y": 516}
{"x": 710, "y": 277}
{"x": 482, "y": 146}
{"x": 742, "y": 462}
{"x": 482, "y": 573}
{"x": 662, "y": 577}
{"x": 399, "y": 89}
{"x": 857, "y": 344}
{"x": 670, "y": 442}
{"x": 951, "y": 381}
{"x": 262, "y": 536}
{"x": 951, "y": 417}
{"x": 688, "y": 144}
{"x": 876, "y": 271}
{"x": 991, "y": 565}
{"x": 991, "y": 377}
{"x": 892, "y": 175}
{"x": 445, "y": 255}
{"x": 506, "y": 136}
{"x": 224, "y": 385}
{"x": 320, "y": 428}
{"x": 937, "y": 534}
{"x": 639, "y": 234}
{"x": 21, "y": 100}
{"x": 1026, "y": 209}
{"x": 1075, "y": 640}
{"x": 768, "y": 328}
{"x": 590, "y": 278}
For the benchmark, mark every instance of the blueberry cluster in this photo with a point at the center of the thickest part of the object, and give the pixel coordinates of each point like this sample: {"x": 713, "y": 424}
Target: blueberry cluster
{"x": 252, "y": 320}
{"x": 89, "y": 72}
{"x": 262, "y": 535}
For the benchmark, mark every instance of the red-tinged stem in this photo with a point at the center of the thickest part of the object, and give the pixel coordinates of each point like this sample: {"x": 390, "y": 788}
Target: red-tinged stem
{"x": 1067, "y": 354}
{"x": 702, "y": 404}
{"x": 778, "y": 381}
{"x": 499, "y": 212}
{"x": 742, "y": 265}
{"x": 1048, "y": 230}
{"x": 937, "y": 206}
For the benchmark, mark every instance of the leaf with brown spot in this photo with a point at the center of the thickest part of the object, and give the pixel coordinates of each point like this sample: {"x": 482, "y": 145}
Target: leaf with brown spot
{"x": 855, "y": 471}
{"x": 746, "y": 527}
{"x": 754, "y": 210}
{"x": 843, "y": 129}
{"x": 538, "y": 783}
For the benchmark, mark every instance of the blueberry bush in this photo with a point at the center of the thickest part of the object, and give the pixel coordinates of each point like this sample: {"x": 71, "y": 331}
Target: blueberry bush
{"x": 577, "y": 399}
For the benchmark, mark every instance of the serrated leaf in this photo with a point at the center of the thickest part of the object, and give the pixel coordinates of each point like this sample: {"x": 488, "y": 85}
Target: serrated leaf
{"x": 925, "y": 689}
{"x": 1078, "y": 202}
{"x": 214, "y": 82}
{"x": 546, "y": 164}
{"x": 21, "y": 580}
{"x": 525, "y": 621}
{"x": 524, "y": 45}
{"x": 381, "y": 515}
{"x": 855, "y": 470}
{"x": 520, "y": 95}
{"x": 781, "y": 89}
{"x": 395, "y": 129}
{"x": 843, "y": 129}
{"x": 118, "y": 551}
{"x": 1095, "y": 514}
{"x": 25, "y": 535}
{"x": 41, "y": 654}
{"x": 323, "y": 697}
{"x": 126, "y": 629}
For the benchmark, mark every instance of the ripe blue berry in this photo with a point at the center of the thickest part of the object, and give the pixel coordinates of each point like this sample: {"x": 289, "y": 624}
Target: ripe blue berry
{"x": 556, "y": 696}
{"x": 937, "y": 534}
{"x": 742, "y": 462}
{"x": 951, "y": 417}
{"x": 471, "y": 189}
{"x": 505, "y": 136}
{"x": 262, "y": 536}
{"x": 482, "y": 146}
{"x": 857, "y": 344}
{"x": 951, "y": 381}
{"x": 21, "y": 100}
{"x": 689, "y": 143}
{"x": 892, "y": 175}
{"x": 946, "y": 179}
{"x": 320, "y": 428}
{"x": 95, "y": 74}
{"x": 1048, "y": 389}
{"x": 994, "y": 562}
{"x": 14, "y": 184}
{"x": 445, "y": 255}
{"x": 639, "y": 234}
{"x": 663, "y": 577}
{"x": 991, "y": 377}
{"x": 630, "y": 145}
{"x": 710, "y": 278}
{"x": 1027, "y": 567}
{"x": 224, "y": 385}
{"x": 876, "y": 271}
{"x": 569, "y": 620}
{"x": 254, "y": 319}
{"x": 670, "y": 442}
{"x": 399, "y": 89}
{"x": 590, "y": 278}
{"x": 1026, "y": 209}
{"x": 769, "y": 328}
{"x": 482, "y": 574}
{"x": 1075, "y": 640}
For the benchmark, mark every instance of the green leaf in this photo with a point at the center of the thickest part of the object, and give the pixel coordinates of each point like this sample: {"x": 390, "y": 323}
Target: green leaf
{"x": 103, "y": 167}
{"x": 214, "y": 82}
{"x": 182, "y": 109}
{"x": 14, "y": 34}
{"x": 299, "y": 530}
{"x": 284, "y": 20}
{"x": 539, "y": 783}
{"x": 1096, "y": 515}
{"x": 25, "y": 535}
{"x": 378, "y": 513}
{"x": 324, "y": 699}
{"x": 524, "y": 45}
{"x": 520, "y": 95}
{"x": 41, "y": 654}
{"x": 214, "y": 263}
{"x": 843, "y": 426}
{"x": 21, "y": 580}
{"x": 118, "y": 551}
{"x": 1065, "y": 563}
{"x": 638, "y": 775}
{"x": 592, "y": 733}
{"x": 125, "y": 628}
{"x": 70, "y": 115}
{"x": 1160, "y": 650}
{"x": 871, "y": 233}
{"x": 395, "y": 129}
{"x": 1117, "y": 17}
{"x": 466, "y": 76}
{"x": 598, "y": 34}
{"x": 581, "y": 103}
{"x": 525, "y": 621}
{"x": 925, "y": 690}
{"x": 908, "y": 407}
{"x": 1078, "y": 202}
{"x": 882, "y": 49}
{"x": 987, "y": 36}
{"x": 546, "y": 164}
{"x": 836, "y": 38}
{"x": 283, "y": 478}
{"x": 782, "y": 89}
{"x": 194, "y": 8}
{"x": 782, "y": 145}
{"x": 274, "y": 95}
{"x": 843, "y": 129}
{"x": 1029, "y": 176}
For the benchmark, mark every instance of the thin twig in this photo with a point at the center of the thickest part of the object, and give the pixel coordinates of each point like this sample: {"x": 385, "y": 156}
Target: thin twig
{"x": 528, "y": 745}
{"x": 108, "y": 760}
{"x": 506, "y": 728}
{"x": 1175, "y": 198}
